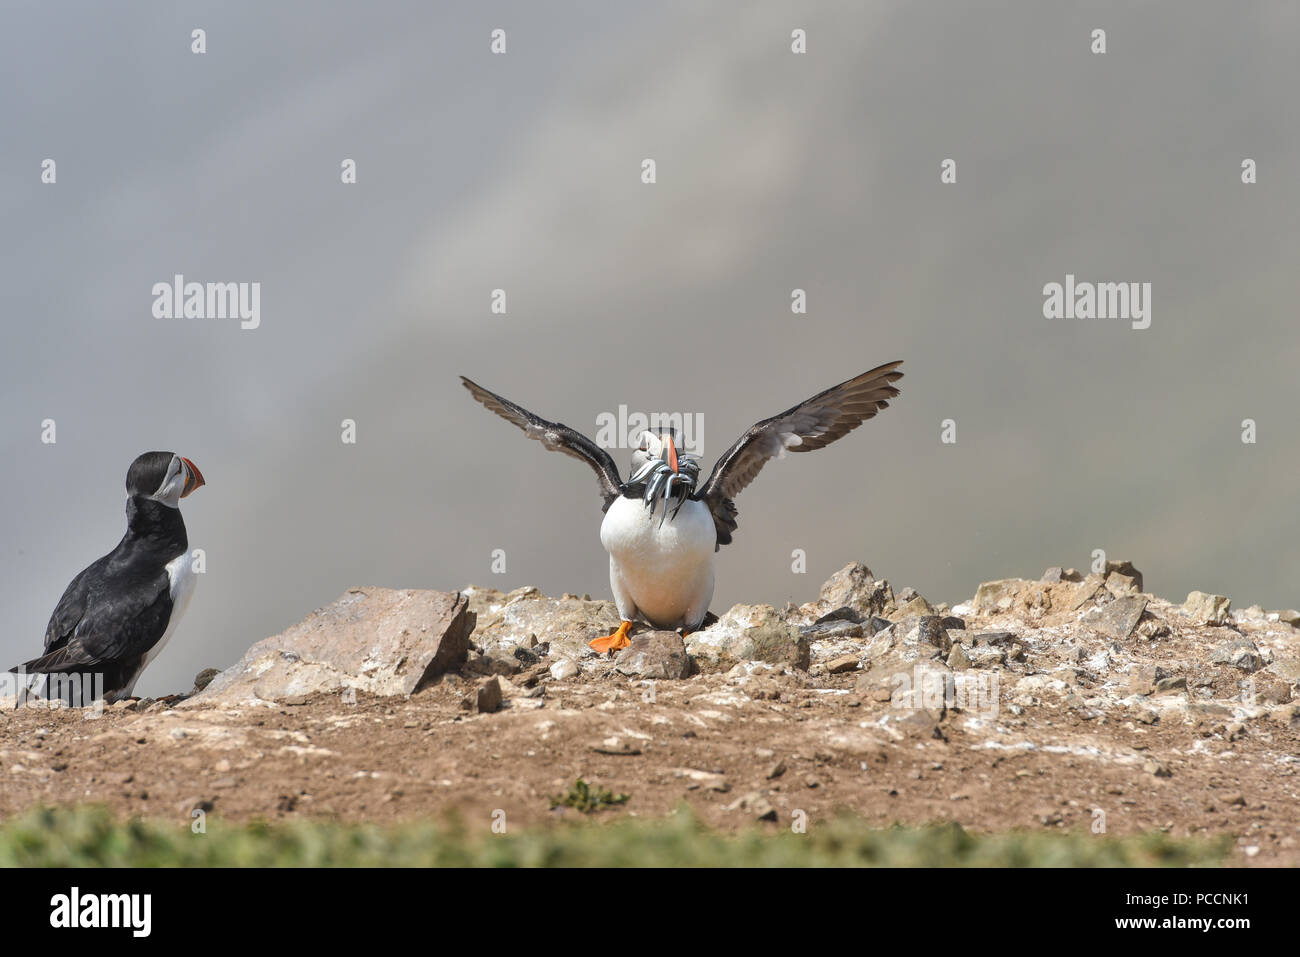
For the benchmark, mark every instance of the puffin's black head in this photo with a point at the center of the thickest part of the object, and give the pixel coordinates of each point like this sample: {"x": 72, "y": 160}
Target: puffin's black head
{"x": 162, "y": 476}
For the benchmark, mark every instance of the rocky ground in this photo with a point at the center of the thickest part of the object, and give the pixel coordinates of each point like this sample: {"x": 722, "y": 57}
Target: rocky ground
{"x": 1069, "y": 702}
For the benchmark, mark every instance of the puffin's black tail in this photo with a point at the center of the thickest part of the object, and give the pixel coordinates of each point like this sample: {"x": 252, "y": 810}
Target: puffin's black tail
{"x": 62, "y": 678}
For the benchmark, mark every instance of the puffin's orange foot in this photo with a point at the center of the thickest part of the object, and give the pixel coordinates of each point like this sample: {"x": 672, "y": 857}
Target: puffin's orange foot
{"x": 613, "y": 642}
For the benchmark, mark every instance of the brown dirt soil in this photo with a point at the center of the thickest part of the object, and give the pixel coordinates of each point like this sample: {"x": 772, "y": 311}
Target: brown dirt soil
{"x": 387, "y": 759}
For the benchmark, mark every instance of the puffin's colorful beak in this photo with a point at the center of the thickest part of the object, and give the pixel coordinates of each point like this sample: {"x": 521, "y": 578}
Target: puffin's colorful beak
{"x": 672, "y": 453}
{"x": 193, "y": 477}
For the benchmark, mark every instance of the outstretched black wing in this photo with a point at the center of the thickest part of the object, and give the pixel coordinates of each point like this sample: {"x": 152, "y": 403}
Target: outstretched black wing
{"x": 809, "y": 425}
{"x": 556, "y": 437}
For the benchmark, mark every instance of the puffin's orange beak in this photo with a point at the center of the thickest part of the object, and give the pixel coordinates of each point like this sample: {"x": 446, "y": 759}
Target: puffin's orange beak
{"x": 672, "y": 453}
{"x": 193, "y": 477}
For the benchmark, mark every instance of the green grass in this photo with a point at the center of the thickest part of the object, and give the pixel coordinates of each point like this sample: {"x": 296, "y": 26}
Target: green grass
{"x": 91, "y": 837}
{"x": 581, "y": 796}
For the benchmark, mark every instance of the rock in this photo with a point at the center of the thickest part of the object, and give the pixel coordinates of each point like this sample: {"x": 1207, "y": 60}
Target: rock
{"x": 495, "y": 664}
{"x": 617, "y": 746}
{"x": 1209, "y": 710}
{"x": 1157, "y": 769}
{"x": 483, "y": 602}
{"x": 1008, "y": 642}
{"x": 1117, "y": 618}
{"x": 526, "y": 655}
{"x": 958, "y": 660}
{"x": 565, "y": 668}
{"x": 1052, "y": 575}
{"x": 656, "y": 655}
{"x": 1241, "y": 653}
{"x": 1288, "y": 669}
{"x": 488, "y": 698}
{"x": 204, "y": 678}
{"x": 1144, "y": 679}
{"x": 917, "y": 606}
{"x": 996, "y": 597}
{"x": 842, "y": 664}
{"x": 756, "y": 805}
{"x": 831, "y": 629}
{"x": 917, "y": 723}
{"x": 531, "y": 677}
{"x": 1253, "y": 613}
{"x": 749, "y": 633}
{"x": 923, "y": 629}
{"x": 703, "y": 779}
{"x": 379, "y": 640}
{"x": 842, "y": 622}
{"x": 1274, "y": 692}
{"x": 853, "y": 586}
{"x": 1206, "y": 609}
{"x": 995, "y": 638}
{"x": 1153, "y": 628}
{"x": 986, "y": 656}
{"x": 1077, "y": 594}
{"x": 843, "y": 613}
{"x": 1288, "y": 715}
{"x": 898, "y": 648}
{"x": 1171, "y": 684}
{"x": 564, "y": 625}
{"x": 1126, "y": 570}
{"x": 1121, "y": 585}
{"x": 1289, "y": 617}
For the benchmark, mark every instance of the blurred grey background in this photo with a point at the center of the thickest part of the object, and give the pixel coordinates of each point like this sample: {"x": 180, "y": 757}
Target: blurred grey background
{"x": 521, "y": 171}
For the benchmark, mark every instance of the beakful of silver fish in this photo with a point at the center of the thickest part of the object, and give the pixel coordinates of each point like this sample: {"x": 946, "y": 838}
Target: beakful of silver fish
{"x": 662, "y": 483}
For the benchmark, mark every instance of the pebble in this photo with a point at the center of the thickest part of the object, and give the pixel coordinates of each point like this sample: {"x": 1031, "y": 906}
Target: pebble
{"x": 755, "y": 804}
{"x": 488, "y": 697}
{"x": 565, "y": 668}
{"x": 842, "y": 664}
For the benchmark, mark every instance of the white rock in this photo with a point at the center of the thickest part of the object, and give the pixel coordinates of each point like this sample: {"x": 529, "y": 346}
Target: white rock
{"x": 565, "y": 668}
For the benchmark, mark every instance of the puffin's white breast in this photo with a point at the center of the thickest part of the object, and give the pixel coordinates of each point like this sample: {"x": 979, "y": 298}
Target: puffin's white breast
{"x": 666, "y": 568}
{"x": 181, "y": 580}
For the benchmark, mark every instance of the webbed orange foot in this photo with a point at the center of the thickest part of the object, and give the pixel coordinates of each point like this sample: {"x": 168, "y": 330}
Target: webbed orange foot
{"x": 614, "y": 642}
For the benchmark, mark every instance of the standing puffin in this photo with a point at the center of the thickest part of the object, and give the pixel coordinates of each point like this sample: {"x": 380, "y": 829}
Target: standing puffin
{"x": 661, "y": 566}
{"x": 116, "y": 616}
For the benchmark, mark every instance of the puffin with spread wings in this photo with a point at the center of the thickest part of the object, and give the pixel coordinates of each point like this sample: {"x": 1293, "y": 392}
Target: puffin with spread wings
{"x": 662, "y": 527}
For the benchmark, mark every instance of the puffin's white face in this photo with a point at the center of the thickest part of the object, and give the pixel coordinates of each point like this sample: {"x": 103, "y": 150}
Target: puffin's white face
{"x": 651, "y": 448}
{"x": 182, "y": 478}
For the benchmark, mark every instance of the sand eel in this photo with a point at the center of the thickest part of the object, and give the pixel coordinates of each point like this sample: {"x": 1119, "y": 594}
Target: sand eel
{"x": 662, "y": 527}
{"x": 116, "y": 616}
